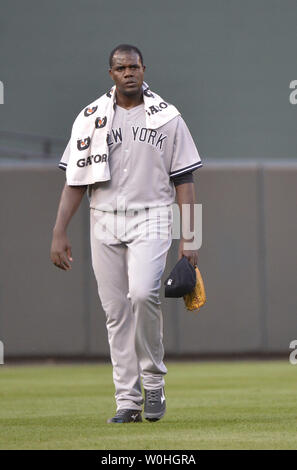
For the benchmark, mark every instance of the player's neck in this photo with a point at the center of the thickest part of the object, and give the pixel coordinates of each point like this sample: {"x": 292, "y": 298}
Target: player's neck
{"x": 129, "y": 102}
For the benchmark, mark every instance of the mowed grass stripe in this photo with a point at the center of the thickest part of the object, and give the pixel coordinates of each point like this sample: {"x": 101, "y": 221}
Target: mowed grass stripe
{"x": 210, "y": 405}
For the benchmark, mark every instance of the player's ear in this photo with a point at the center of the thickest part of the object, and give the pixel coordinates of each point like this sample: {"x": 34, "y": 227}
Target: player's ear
{"x": 110, "y": 73}
{"x": 143, "y": 67}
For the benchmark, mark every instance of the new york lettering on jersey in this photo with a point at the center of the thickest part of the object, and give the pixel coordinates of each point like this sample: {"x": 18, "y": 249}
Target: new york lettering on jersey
{"x": 139, "y": 134}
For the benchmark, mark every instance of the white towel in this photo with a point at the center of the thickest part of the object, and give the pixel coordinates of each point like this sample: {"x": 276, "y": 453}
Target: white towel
{"x": 88, "y": 161}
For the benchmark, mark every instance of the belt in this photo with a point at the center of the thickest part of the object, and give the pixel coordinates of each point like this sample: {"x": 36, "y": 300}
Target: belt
{"x": 130, "y": 212}
{"x": 134, "y": 212}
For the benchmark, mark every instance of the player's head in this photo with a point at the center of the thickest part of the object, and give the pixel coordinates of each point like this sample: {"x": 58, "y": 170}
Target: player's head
{"x": 126, "y": 69}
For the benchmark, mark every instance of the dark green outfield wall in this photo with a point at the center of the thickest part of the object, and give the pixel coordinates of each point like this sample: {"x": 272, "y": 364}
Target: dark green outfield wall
{"x": 226, "y": 64}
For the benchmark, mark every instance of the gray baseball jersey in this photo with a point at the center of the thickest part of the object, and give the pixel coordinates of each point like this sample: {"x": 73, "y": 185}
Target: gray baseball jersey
{"x": 143, "y": 162}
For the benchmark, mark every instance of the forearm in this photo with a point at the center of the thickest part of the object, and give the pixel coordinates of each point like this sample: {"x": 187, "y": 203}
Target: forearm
{"x": 70, "y": 200}
{"x": 185, "y": 194}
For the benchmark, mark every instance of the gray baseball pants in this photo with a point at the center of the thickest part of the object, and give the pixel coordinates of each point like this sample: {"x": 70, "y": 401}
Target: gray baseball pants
{"x": 129, "y": 253}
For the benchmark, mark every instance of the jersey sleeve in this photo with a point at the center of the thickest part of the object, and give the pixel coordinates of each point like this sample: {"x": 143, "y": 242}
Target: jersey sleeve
{"x": 64, "y": 162}
{"x": 183, "y": 178}
{"x": 65, "y": 157}
{"x": 185, "y": 156}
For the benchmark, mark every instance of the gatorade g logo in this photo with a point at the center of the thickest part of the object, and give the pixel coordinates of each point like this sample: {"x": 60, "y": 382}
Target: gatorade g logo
{"x": 89, "y": 111}
{"x": 147, "y": 92}
{"x": 83, "y": 144}
{"x": 100, "y": 122}
{"x": 109, "y": 93}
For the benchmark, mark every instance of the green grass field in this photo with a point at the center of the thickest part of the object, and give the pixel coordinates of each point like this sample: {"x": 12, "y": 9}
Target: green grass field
{"x": 210, "y": 405}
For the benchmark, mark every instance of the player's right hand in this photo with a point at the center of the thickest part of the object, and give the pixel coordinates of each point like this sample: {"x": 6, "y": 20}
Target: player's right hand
{"x": 61, "y": 251}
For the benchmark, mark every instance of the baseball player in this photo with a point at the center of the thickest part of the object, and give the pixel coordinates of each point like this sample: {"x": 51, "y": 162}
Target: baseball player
{"x": 149, "y": 168}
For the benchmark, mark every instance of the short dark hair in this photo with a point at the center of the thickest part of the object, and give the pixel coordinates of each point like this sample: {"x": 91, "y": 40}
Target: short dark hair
{"x": 125, "y": 48}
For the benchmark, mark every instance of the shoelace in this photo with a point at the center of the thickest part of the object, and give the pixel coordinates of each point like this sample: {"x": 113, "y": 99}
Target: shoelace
{"x": 153, "y": 395}
{"x": 122, "y": 412}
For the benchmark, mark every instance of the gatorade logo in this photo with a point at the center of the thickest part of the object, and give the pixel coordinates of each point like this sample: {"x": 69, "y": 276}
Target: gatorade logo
{"x": 82, "y": 162}
{"x": 147, "y": 92}
{"x": 109, "y": 93}
{"x": 89, "y": 111}
{"x": 157, "y": 109}
{"x": 83, "y": 144}
{"x": 99, "y": 123}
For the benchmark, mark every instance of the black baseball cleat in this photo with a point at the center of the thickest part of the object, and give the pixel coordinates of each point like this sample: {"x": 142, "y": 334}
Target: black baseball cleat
{"x": 154, "y": 404}
{"x": 126, "y": 416}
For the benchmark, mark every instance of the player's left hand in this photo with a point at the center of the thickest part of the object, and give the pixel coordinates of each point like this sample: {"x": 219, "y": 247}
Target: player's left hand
{"x": 192, "y": 255}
